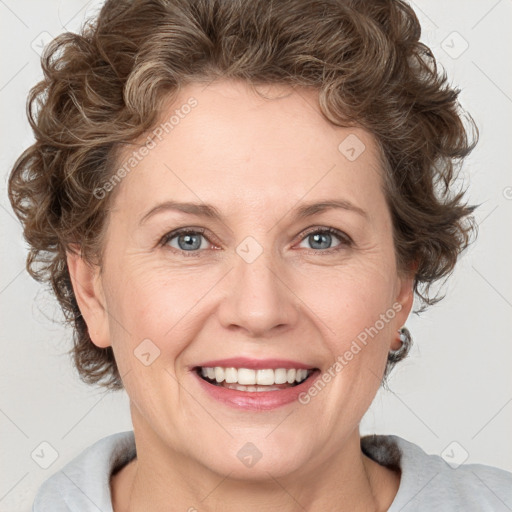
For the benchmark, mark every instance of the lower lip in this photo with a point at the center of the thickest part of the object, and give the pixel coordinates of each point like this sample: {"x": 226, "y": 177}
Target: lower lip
{"x": 256, "y": 400}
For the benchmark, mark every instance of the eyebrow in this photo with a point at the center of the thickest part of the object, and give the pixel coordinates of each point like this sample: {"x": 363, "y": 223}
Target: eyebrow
{"x": 209, "y": 211}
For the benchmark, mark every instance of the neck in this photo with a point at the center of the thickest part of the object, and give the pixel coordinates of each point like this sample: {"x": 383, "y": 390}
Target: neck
{"x": 160, "y": 477}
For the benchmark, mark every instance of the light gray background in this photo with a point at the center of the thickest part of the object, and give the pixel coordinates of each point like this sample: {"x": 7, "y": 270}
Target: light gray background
{"x": 456, "y": 385}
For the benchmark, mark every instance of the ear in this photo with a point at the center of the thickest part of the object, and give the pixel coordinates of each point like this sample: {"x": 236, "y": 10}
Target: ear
{"x": 88, "y": 290}
{"x": 404, "y": 299}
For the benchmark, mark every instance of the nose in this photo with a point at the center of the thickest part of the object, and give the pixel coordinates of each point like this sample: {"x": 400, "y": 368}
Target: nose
{"x": 258, "y": 299}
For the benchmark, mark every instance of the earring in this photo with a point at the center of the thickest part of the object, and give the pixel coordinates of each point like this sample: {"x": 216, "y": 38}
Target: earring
{"x": 397, "y": 355}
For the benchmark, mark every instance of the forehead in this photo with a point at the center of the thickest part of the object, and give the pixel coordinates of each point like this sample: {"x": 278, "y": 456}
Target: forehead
{"x": 225, "y": 144}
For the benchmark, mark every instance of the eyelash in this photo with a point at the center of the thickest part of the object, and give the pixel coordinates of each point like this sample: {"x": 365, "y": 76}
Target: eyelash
{"x": 345, "y": 240}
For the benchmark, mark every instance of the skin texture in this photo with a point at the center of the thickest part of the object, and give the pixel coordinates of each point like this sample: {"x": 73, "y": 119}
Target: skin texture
{"x": 255, "y": 160}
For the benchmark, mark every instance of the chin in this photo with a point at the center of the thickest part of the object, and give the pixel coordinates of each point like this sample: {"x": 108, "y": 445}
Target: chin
{"x": 258, "y": 460}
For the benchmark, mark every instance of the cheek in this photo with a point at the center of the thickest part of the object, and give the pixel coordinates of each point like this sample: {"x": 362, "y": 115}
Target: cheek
{"x": 352, "y": 296}
{"x": 356, "y": 308}
{"x": 347, "y": 312}
{"x": 150, "y": 301}
{"x": 150, "y": 325}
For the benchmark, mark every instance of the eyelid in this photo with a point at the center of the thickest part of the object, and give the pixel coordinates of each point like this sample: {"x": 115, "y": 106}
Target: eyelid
{"x": 188, "y": 229}
{"x": 327, "y": 229}
{"x": 345, "y": 239}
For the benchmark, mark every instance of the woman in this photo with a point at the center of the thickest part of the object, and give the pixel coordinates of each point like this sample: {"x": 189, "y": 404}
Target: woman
{"x": 235, "y": 203}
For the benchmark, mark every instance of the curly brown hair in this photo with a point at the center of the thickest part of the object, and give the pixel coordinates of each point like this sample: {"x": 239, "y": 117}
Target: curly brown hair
{"x": 104, "y": 87}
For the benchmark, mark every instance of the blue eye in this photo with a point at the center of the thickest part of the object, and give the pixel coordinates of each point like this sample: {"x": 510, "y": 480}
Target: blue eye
{"x": 186, "y": 240}
{"x": 321, "y": 239}
{"x": 190, "y": 242}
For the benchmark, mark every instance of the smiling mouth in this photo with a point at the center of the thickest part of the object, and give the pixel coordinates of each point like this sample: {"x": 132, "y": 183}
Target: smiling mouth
{"x": 246, "y": 379}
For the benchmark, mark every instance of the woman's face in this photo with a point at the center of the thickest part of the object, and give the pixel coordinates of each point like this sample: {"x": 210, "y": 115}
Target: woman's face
{"x": 258, "y": 283}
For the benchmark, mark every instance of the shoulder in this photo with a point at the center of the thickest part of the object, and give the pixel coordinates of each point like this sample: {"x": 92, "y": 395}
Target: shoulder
{"x": 428, "y": 482}
{"x": 84, "y": 483}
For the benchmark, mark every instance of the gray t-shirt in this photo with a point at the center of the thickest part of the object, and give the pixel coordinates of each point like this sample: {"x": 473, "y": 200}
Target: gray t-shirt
{"x": 427, "y": 482}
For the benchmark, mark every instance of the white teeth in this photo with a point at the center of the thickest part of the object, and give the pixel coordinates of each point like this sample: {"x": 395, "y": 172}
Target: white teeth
{"x": 219, "y": 374}
{"x": 255, "y": 378}
{"x": 301, "y": 375}
{"x": 251, "y": 388}
{"x": 231, "y": 375}
{"x": 265, "y": 377}
{"x": 280, "y": 376}
{"x": 246, "y": 376}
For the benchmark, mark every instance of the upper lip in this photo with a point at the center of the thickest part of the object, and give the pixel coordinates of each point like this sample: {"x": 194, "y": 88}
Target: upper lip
{"x": 255, "y": 364}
